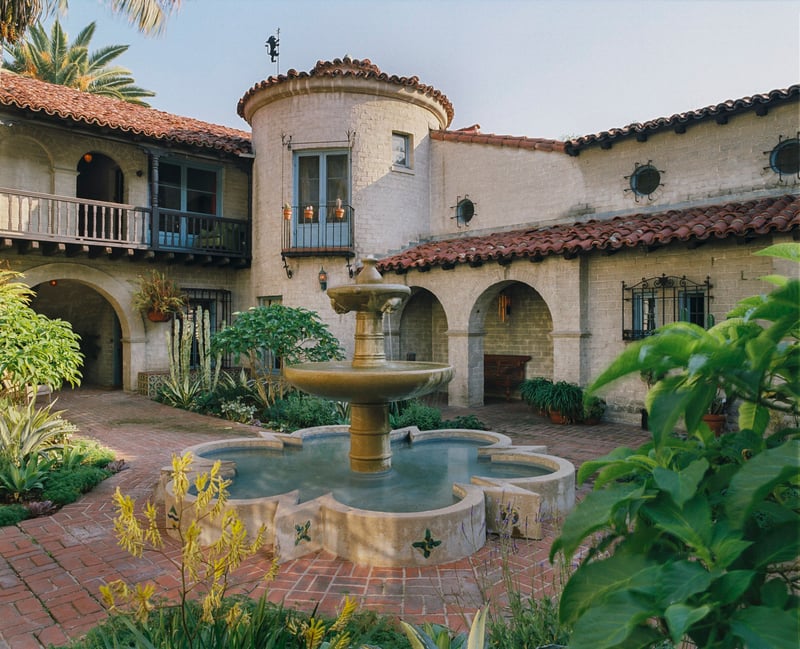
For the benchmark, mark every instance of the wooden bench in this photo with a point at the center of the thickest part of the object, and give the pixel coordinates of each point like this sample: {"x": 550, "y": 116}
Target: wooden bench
{"x": 503, "y": 372}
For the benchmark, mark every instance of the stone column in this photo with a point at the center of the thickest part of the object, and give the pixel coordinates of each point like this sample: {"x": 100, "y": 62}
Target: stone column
{"x": 465, "y": 356}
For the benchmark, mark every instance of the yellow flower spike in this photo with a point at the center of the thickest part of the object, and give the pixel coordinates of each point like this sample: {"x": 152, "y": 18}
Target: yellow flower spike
{"x": 314, "y": 633}
{"x": 113, "y": 591}
{"x": 272, "y": 573}
{"x": 180, "y": 481}
{"x": 348, "y": 608}
{"x": 152, "y": 533}
{"x": 142, "y": 601}
{"x": 341, "y": 641}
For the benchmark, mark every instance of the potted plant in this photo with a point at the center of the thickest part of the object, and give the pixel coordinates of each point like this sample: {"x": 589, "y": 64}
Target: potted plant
{"x": 287, "y": 212}
{"x": 308, "y": 212}
{"x": 339, "y": 210}
{"x": 158, "y": 297}
{"x": 716, "y": 416}
{"x": 593, "y": 410}
{"x": 565, "y": 402}
{"x": 534, "y": 392}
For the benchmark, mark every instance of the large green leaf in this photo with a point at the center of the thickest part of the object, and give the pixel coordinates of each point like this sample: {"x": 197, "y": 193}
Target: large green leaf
{"x": 591, "y": 514}
{"x": 762, "y": 627}
{"x": 593, "y": 582}
{"x": 731, "y": 586}
{"x": 680, "y": 617}
{"x": 681, "y": 485}
{"x": 615, "y": 623}
{"x": 680, "y": 580}
{"x": 780, "y": 544}
{"x": 790, "y": 251}
{"x": 691, "y": 524}
{"x": 758, "y": 477}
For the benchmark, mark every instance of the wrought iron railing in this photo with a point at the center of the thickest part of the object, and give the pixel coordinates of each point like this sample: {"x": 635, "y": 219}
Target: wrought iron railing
{"x": 318, "y": 230}
{"x": 47, "y": 217}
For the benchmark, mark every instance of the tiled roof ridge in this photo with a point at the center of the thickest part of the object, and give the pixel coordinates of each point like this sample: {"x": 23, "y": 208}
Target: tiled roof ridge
{"x": 33, "y": 95}
{"x": 758, "y": 216}
{"x": 347, "y": 67}
{"x": 473, "y": 135}
{"x": 679, "y": 121}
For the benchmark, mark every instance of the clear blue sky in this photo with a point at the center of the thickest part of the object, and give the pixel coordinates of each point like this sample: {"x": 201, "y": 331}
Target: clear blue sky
{"x": 540, "y": 68}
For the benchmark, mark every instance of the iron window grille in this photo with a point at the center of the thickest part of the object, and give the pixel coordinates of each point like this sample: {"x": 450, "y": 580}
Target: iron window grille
{"x": 656, "y": 301}
{"x": 215, "y": 302}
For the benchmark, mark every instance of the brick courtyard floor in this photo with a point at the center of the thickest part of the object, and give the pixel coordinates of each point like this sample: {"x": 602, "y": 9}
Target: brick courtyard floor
{"x": 51, "y": 568}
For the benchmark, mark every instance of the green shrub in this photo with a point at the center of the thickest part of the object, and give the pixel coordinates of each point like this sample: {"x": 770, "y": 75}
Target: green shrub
{"x": 416, "y": 413}
{"x": 535, "y": 392}
{"x": 298, "y": 410}
{"x": 13, "y": 514}
{"x": 470, "y": 422}
{"x": 65, "y": 486}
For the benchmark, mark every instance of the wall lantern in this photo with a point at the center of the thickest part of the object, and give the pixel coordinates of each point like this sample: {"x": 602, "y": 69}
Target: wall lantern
{"x": 323, "y": 279}
{"x": 87, "y": 157}
{"x": 53, "y": 282}
{"x": 504, "y": 307}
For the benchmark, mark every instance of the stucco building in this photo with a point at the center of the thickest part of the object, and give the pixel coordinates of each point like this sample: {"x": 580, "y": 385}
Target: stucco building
{"x": 561, "y": 251}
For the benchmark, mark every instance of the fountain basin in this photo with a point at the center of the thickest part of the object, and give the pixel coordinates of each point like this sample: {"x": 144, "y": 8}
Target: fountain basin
{"x": 514, "y": 506}
{"x": 390, "y": 381}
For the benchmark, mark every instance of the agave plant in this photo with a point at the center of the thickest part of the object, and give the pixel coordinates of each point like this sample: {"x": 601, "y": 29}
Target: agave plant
{"x": 26, "y": 431}
{"x": 436, "y": 636}
{"x": 30, "y": 474}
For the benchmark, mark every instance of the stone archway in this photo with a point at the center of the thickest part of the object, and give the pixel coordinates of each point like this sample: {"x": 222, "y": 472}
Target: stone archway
{"x": 112, "y": 297}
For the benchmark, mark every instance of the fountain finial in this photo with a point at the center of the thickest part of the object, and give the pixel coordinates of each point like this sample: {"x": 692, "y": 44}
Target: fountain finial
{"x": 369, "y": 273}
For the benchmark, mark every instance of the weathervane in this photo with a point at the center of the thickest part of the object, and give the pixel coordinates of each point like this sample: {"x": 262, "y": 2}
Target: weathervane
{"x": 272, "y": 48}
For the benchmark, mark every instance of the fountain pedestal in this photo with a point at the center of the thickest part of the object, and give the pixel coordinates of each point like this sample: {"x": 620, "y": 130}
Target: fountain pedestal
{"x": 369, "y": 382}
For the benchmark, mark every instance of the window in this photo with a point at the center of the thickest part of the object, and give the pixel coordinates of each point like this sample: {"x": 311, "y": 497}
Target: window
{"x": 784, "y": 159}
{"x": 657, "y": 301}
{"x": 188, "y": 188}
{"x": 322, "y": 181}
{"x": 644, "y": 181}
{"x": 401, "y": 150}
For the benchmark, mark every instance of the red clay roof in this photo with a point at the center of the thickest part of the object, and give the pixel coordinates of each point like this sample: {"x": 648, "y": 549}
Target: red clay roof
{"x": 68, "y": 104}
{"x": 472, "y": 134}
{"x": 721, "y": 112}
{"x": 751, "y": 218}
{"x": 348, "y": 67}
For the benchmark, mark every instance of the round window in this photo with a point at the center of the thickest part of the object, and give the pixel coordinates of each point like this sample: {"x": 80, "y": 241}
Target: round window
{"x": 785, "y": 157}
{"x": 465, "y": 210}
{"x": 645, "y": 180}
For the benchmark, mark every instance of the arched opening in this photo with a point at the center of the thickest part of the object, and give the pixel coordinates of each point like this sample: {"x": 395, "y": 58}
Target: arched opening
{"x": 91, "y": 316}
{"x": 517, "y": 324}
{"x": 99, "y": 179}
{"x": 423, "y": 329}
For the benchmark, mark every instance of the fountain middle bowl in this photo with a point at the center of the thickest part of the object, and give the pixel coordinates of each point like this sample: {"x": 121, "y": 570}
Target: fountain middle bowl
{"x": 390, "y": 381}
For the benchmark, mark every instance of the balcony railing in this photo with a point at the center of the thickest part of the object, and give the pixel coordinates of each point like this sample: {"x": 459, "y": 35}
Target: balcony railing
{"x": 320, "y": 230}
{"x": 33, "y": 216}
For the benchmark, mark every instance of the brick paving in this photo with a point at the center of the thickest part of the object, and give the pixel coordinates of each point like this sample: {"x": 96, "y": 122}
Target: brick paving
{"x": 51, "y": 568}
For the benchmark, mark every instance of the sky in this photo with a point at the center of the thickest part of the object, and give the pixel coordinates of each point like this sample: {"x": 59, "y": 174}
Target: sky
{"x": 535, "y": 68}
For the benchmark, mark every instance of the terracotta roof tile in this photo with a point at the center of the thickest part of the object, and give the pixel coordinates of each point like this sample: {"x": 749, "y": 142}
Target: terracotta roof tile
{"x": 750, "y": 218}
{"x": 473, "y": 135}
{"x": 65, "y": 103}
{"x": 678, "y": 122}
{"x": 348, "y": 67}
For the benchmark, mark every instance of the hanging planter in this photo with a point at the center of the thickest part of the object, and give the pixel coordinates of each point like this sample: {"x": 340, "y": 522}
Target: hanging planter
{"x": 159, "y": 316}
{"x": 158, "y": 297}
{"x": 339, "y": 210}
{"x": 308, "y": 212}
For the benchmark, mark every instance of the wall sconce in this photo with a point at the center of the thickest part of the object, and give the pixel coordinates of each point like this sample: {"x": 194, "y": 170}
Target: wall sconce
{"x": 504, "y": 307}
{"x": 323, "y": 279}
{"x": 87, "y": 157}
{"x": 53, "y": 282}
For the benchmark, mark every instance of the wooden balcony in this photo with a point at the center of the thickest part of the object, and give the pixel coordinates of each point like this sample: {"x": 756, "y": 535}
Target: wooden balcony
{"x": 32, "y": 222}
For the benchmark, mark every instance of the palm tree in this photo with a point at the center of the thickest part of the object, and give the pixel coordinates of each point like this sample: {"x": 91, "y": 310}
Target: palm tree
{"x": 16, "y": 16}
{"x": 51, "y": 58}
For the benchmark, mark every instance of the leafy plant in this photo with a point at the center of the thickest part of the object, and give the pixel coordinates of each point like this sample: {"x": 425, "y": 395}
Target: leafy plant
{"x": 302, "y": 411}
{"x": 470, "y": 422}
{"x": 435, "y": 636}
{"x": 26, "y": 430}
{"x": 694, "y": 538}
{"x": 34, "y": 349}
{"x": 158, "y": 293}
{"x": 565, "y": 398}
{"x": 594, "y": 407}
{"x": 535, "y": 392}
{"x": 416, "y": 413}
{"x": 19, "y": 479}
{"x": 65, "y": 485}
{"x": 266, "y": 333}
{"x": 202, "y": 569}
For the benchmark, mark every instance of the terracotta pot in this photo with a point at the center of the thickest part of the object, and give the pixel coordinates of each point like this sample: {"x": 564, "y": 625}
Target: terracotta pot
{"x": 287, "y": 213}
{"x": 557, "y": 418}
{"x": 339, "y": 212}
{"x": 716, "y": 423}
{"x": 158, "y": 316}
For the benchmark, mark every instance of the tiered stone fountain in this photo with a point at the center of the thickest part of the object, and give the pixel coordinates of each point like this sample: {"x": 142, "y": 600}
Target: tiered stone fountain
{"x": 508, "y": 488}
